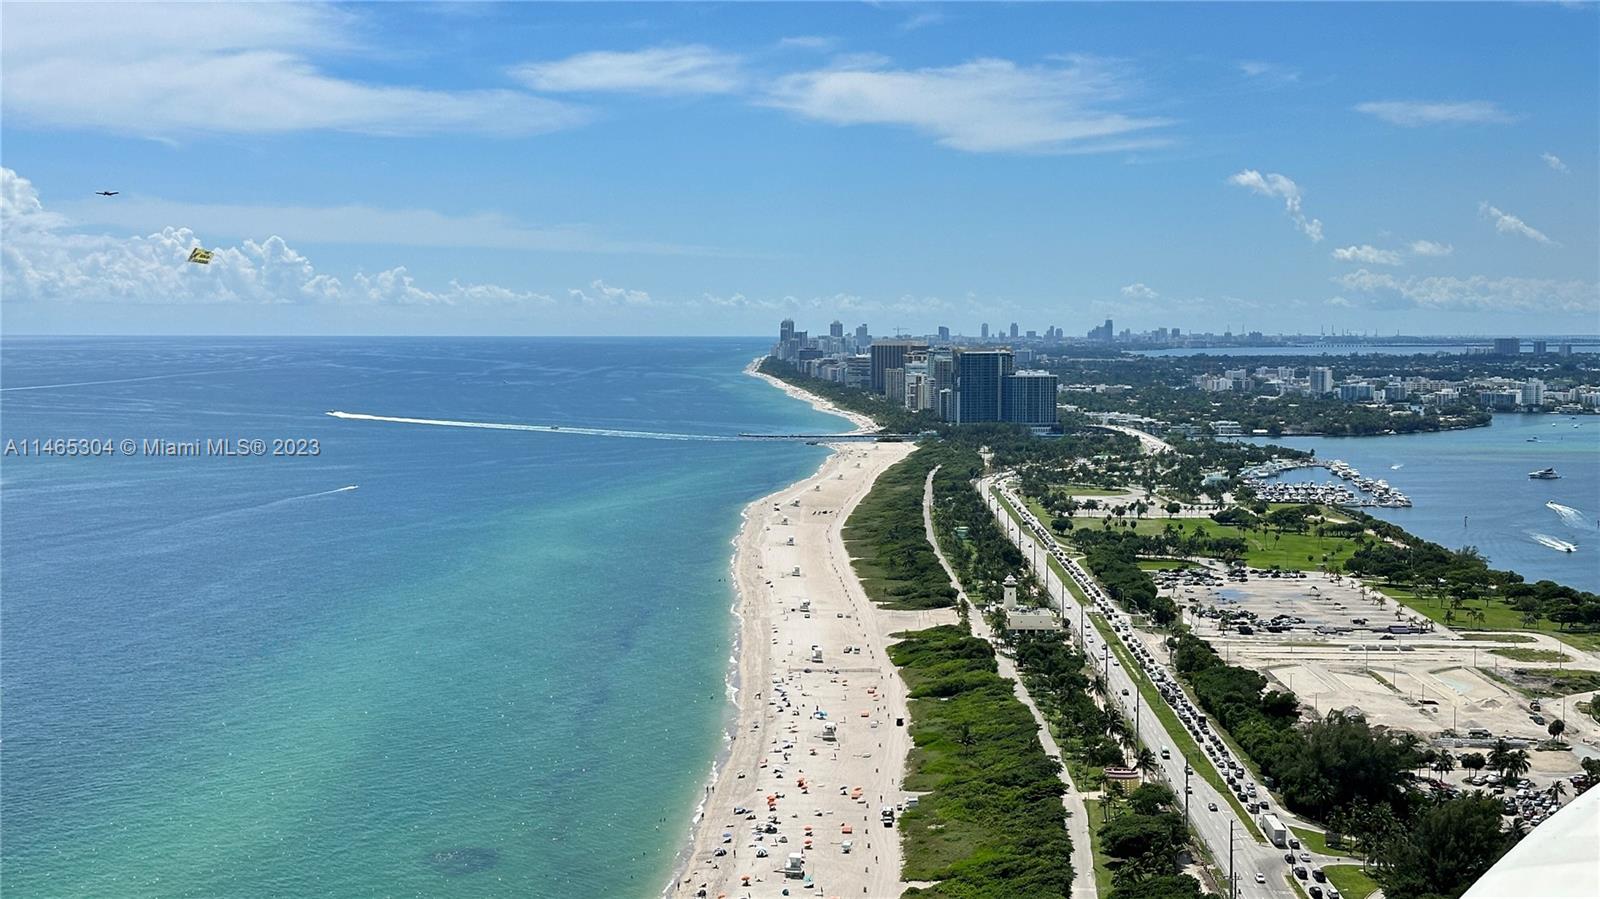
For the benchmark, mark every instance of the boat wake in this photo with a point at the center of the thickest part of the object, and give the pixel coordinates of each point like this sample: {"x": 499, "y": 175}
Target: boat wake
{"x": 1554, "y": 543}
{"x": 1397, "y": 466}
{"x": 542, "y": 429}
{"x": 1570, "y": 517}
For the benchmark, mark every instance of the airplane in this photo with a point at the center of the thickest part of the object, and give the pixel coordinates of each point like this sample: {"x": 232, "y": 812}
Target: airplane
{"x": 107, "y": 193}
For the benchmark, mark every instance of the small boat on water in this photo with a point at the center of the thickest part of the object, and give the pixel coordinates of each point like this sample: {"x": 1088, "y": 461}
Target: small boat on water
{"x": 1544, "y": 474}
{"x": 1533, "y": 439}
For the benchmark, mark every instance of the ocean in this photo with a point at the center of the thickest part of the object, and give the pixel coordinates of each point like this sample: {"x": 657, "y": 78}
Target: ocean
{"x": 1471, "y": 488}
{"x": 425, "y": 661}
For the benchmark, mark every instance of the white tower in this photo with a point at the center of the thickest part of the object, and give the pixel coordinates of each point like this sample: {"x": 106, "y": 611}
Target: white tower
{"x": 1010, "y": 584}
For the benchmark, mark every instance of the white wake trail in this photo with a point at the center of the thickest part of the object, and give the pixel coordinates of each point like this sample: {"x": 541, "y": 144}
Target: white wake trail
{"x": 1569, "y": 516}
{"x": 1554, "y": 543}
{"x": 542, "y": 429}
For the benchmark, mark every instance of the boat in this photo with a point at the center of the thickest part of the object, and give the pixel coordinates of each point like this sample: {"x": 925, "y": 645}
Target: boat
{"x": 1544, "y": 474}
{"x": 1533, "y": 439}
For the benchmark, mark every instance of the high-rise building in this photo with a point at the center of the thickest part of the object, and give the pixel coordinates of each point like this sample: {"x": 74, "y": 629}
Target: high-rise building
{"x": 786, "y": 330}
{"x": 836, "y": 330}
{"x": 983, "y": 331}
{"x": 894, "y": 384}
{"x": 887, "y": 354}
{"x": 1540, "y": 347}
{"x": 862, "y": 337}
{"x": 1321, "y": 381}
{"x": 1103, "y": 332}
{"x": 944, "y": 334}
{"x": 1507, "y": 346}
{"x": 1013, "y": 330}
{"x": 980, "y": 384}
{"x": 1533, "y": 392}
{"x": 1029, "y": 397}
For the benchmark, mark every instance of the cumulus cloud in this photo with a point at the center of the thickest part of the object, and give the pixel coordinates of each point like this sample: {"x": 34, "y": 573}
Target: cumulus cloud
{"x": 688, "y": 69}
{"x": 1283, "y": 188}
{"x": 1367, "y": 254}
{"x": 1417, "y": 113}
{"x": 1139, "y": 291}
{"x": 599, "y": 293}
{"x": 1554, "y": 162}
{"x": 981, "y": 106}
{"x": 1271, "y": 72}
{"x": 42, "y": 261}
{"x": 1431, "y": 248}
{"x": 1476, "y": 293}
{"x": 1506, "y": 223}
{"x": 160, "y": 71}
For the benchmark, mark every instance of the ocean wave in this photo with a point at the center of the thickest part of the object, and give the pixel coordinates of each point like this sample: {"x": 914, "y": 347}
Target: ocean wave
{"x": 542, "y": 429}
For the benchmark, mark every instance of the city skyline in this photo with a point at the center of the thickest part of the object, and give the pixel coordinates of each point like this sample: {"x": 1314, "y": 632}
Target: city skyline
{"x": 690, "y": 169}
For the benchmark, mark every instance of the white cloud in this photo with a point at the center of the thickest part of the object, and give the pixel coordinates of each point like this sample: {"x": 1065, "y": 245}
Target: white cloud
{"x": 1431, "y": 248}
{"x": 1269, "y": 71}
{"x": 1506, "y": 223}
{"x": 690, "y": 69}
{"x": 922, "y": 20}
{"x": 604, "y": 294}
{"x": 1367, "y": 254}
{"x": 1280, "y": 187}
{"x": 982, "y": 106}
{"x": 1417, "y": 113}
{"x": 162, "y": 71}
{"x": 365, "y": 225}
{"x": 1554, "y": 162}
{"x": 41, "y": 262}
{"x": 1476, "y": 293}
{"x": 1139, "y": 291}
{"x": 808, "y": 42}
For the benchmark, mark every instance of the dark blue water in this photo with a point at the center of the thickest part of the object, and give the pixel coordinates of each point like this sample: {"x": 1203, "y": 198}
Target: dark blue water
{"x": 1471, "y": 488}
{"x": 494, "y": 668}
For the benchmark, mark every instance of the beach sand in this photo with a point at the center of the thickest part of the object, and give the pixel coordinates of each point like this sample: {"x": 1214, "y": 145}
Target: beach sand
{"x": 826, "y": 791}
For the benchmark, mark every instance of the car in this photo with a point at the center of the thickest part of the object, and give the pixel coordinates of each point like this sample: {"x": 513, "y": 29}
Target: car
{"x": 1124, "y": 691}
{"x": 1261, "y": 878}
{"x": 1211, "y": 806}
{"x": 1305, "y": 857}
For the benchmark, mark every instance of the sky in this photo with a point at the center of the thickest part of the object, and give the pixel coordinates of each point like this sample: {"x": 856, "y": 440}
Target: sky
{"x": 682, "y": 169}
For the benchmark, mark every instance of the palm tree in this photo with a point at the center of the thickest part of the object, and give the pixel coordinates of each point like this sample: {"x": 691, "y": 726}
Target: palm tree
{"x": 1499, "y": 756}
{"x": 1556, "y": 728}
{"x": 1517, "y": 764}
{"x": 1444, "y": 763}
{"x": 1557, "y": 790}
{"x": 1146, "y": 761}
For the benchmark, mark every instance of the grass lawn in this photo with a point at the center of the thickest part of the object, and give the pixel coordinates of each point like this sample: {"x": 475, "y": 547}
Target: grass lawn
{"x": 1521, "y": 654}
{"x": 1163, "y": 564}
{"x": 1317, "y": 841}
{"x": 1096, "y": 811}
{"x": 1351, "y": 881}
{"x": 1497, "y": 616}
{"x": 1266, "y": 549}
{"x": 1499, "y": 638}
{"x": 1087, "y": 490}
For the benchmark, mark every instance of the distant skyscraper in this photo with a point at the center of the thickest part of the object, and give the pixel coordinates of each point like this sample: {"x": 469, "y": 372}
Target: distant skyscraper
{"x": 786, "y": 331}
{"x": 983, "y": 331}
{"x": 887, "y": 354}
{"x": 1540, "y": 347}
{"x": 862, "y": 337}
{"x": 1013, "y": 330}
{"x": 944, "y": 334}
{"x": 1321, "y": 381}
{"x": 836, "y": 329}
{"x": 980, "y": 384}
{"x": 1507, "y": 346}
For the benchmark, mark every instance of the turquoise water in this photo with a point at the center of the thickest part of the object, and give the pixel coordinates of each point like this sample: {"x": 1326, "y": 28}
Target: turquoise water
{"x": 495, "y": 668}
{"x": 1471, "y": 488}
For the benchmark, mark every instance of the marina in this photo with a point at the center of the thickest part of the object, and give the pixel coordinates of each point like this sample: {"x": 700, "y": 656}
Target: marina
{"x": 1367, "y": 491}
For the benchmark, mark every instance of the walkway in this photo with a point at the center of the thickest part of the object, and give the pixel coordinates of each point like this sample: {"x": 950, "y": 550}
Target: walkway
{"x": 1083, "y": 886}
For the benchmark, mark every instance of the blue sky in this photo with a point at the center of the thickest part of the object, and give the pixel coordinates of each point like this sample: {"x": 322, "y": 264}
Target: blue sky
{"x": 710, "y": 169}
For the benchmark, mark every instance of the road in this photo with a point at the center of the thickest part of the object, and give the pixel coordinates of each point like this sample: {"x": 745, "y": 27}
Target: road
{"x": 1083, "y": 886}
{"x": 1214, "y": 828}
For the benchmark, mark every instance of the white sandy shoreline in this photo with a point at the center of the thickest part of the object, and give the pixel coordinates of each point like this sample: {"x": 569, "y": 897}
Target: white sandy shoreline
{"x": 774, "y": 742}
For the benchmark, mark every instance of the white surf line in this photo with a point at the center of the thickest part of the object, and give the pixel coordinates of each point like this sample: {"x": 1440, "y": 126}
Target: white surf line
{"x": 542, "y": 429}
{"x": 187, "y": 374}
{"x": 1554, "y": 543}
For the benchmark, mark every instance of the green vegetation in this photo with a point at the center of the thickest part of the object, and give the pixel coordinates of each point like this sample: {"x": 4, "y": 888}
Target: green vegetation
{"x": 1317, "y": 841}
{"x": 1087, "y": 490}
{"x": 1163, "y": 564}
{"x": 1496, "y": 637}
{"x": 1352, "y": 882}
{"x": 888, "y": 544}
{"x": 991, "y": 824}
{"x": 1143, "y": 836}
{"x": 1319, "y": 767}
{"x": 1259, "y": 547}
{"x": 1115, "y": 564}
{"x": 1521, "y": 654}
{"x": 1544, "y": 683}
{"x": 1443, "y": 849}
{"x": 1459, "y": 586}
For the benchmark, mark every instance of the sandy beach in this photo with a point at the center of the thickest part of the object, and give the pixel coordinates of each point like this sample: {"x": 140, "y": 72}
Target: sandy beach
{"x": 790, "y": 782}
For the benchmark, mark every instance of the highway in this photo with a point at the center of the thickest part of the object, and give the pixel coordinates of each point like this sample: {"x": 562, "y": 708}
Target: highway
{"x": 1214, "y": 828}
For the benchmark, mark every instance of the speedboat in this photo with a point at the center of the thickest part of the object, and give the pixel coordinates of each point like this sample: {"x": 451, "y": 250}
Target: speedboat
{"x": 1544, "y": 474}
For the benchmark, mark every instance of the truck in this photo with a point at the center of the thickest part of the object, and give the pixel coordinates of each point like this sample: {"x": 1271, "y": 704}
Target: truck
{"x": 830, "y": 731}
{"x": 1274, "y": 830}
{"x": 886, "y": 814}
{"x": 816, "y": 653}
